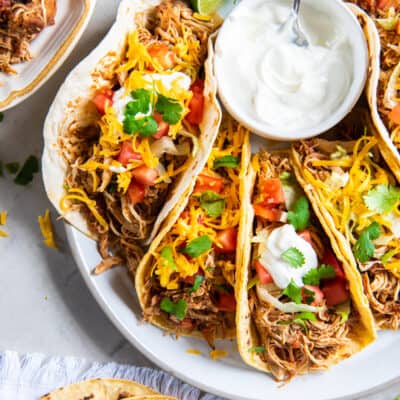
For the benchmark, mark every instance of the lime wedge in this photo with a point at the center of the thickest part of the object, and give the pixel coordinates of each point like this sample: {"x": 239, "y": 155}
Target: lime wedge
{"x": 206, "y": 7}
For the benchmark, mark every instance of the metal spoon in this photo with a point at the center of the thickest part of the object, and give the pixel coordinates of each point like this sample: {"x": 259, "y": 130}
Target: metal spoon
{"x": 292, "y": 26}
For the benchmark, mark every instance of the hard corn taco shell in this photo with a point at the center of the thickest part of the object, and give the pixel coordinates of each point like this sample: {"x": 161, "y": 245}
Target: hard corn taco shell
{"x": 103, "y": 389}
{"x": 72, "y": 106}
{"x": 145, "y": 268}
{"x": 361, "y": 335}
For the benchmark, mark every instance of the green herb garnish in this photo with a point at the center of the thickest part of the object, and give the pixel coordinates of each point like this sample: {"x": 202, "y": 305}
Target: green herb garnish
{"x": 12, "y": 167}
{"x": 226, "y": 161}
{"x": 293, "y": 292}
{"x": 309, "y": 295}
{"x": 25, "y": 175}
{"x": 364, "y": 248}
{"x": 294, "y": 257}
{"x": 197, "y": 282}
{"x": 300, "y": 215}
{"x": 1, "y": 116}
{"x": 314, "y": 276}
{"x": 212, "y": 203}
{"x": 1, "y": 168}
{"x": 388, "y": 255}
{"x": 170, "y": 109}
{"x": 382, "y": 199}
{"x": 343, "y": 310}
{"x": 177, "y": 309}
{"x": 198, "y": 246}
{"x": 168, "y": 257}
{"x": 257, "y": 349}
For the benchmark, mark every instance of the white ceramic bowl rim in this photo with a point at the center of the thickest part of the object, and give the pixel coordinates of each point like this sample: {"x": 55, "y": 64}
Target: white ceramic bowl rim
{"x": 360, "y": 68}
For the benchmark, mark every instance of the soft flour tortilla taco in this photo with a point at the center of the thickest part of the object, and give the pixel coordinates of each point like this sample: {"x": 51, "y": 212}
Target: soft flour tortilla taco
{"x": 103, "y": 389}
{"x": 185, "y": 283}
{"x": 298, "y": 309}
{"x": 132, "y": 126}
{"x": 357, "y": 198}
{"x": 383, "y": 86}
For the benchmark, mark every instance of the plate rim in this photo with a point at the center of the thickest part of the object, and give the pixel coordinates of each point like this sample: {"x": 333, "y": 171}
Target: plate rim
{"x": 130, "y": 337}
{"x": 17, "y": 96}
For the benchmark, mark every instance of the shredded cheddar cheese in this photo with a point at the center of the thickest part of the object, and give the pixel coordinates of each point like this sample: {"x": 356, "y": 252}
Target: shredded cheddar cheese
{"x": 194, "y": 352}
{"x": 3, "y": 221}
{"x": 46, "y": 227}
{"x": 218, "y": 353}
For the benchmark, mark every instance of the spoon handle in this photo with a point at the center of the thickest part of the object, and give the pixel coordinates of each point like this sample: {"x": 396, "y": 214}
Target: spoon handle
{"x": 296, "y": 7}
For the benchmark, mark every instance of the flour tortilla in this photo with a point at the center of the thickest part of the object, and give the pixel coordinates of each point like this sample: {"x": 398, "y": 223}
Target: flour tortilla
{"x": 146, "y": 265}
{"x": 103, "y": 389}
{"x": 388, "y": 150}
{"x": 247, "y": 337}
{"x": 72, "y": 106}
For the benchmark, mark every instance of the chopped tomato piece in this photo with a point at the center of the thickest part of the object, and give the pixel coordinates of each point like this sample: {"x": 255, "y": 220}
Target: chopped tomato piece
{"x": 317, "y": 294}
{"x": 185, "y": 214}
{"x": 190, "y": 279}
{"x": 226, "y": 302}
{"x": 305, "y": 235}
{"x": 264, "y": 276}
{"x": 226, "y": 241}
{"x": 102, "y": 100}
{"x": 394, "y": 115}
{"x": 398, "y": 27}
{"x": 269, "y": 214}
{"x": 209, "y": 182}
{"x": 127, "y": 154}
{"x": 163, "y": 127}
{"x": 335, "y": 292}
{"x": 383, "y": 4}
{"x": 273, "y": 191}
{"x": 162, "y": 54}
{"x": 186, "y": 323}
{"x": 330, "y": 259}
{"x": 196, "y": 105}
{"x": 145, "y": 175}
{"x": 136, "y": 192}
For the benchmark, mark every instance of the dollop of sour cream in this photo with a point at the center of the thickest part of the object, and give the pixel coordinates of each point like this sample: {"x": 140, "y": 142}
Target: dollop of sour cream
{"x": 122, "y": 96}
{"x": 270, "y": 255}
{"x": 274, "y": 81}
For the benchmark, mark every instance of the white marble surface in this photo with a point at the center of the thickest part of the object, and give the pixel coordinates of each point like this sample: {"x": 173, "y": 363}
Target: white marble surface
{"x": 44, "y": 304}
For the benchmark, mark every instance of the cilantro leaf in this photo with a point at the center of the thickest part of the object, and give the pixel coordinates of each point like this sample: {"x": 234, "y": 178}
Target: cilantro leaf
{"x": 306, "y": 316}
{"x": 12, "y": 167}
{"x": 170, "y": 109}
{"x": 1, "y": 168}
{"x": 300, "y": 215}
{"x": 314, "y": 276}
{"x": 146, "y": 126}
{"x": 226, "y": 161}
{"x": 382, "y": 199}
{"x": 198, "y": 246}
{"x": 257, "y": 349}
{"x": 1, "y": 116}
{"x": 343, "y": 310}
{"x": 293, "y": 292}
{"x": 300, "y": 322}
{"x": 212, "y": 203}
{"x": 294, "y": 257}
{"x": 177, "y": 309}
{"x": 25, "y": 175}
{"x": 286, "y": 178}
{"x": 364, "y": 248}
{"x": 168, "y": 257}
{"x": 197, "y": 282}
{"x": 140, "y": 104}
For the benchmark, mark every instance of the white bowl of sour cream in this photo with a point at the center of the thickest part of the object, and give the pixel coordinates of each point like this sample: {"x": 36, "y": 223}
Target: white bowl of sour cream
{"x": 278, "y": 89}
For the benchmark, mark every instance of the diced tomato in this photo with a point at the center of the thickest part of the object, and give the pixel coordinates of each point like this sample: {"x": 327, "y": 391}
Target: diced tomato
{"x": 190, "y": 279}
{"x": 335, "y": 292}
{"x": 187, "y": 324}
{"x": 145, "y": 175}
{"x": 264, "y": 276}
{"x": 305, "y": 235}
{"x": 269, "y": 214}
{"x": 398, "y": 27}
{"x": 136, "y": 192}
{"x": 330, "y": 259}
{"x": 383, "y": 4}
{"x": 209, "y": 182}
{"x": 162, "y": 54}
{"x": 103, "y": 99}
{"x": 226, "y": 302}
{"x": 317, "y": 294}
{"x": 273, "y": 191}
{"x": 226, "y": 241}
{"x": 185, "y": 214}
{"x": 127, "y": 154}
{"x": 163, "y": 127}
{"x": 394, "y": 115}
{"x": 196, "y": 105}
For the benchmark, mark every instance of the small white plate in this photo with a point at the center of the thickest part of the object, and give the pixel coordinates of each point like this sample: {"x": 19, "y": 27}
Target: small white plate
{"x": 229, "y": 377}
{"x": 51, "y": 47}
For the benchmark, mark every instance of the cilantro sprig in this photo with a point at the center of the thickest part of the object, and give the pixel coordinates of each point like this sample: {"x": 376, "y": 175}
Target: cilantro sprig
{"x": 382, "y": 198}
{"x": 177, "y": 309}
{"x": 226, "y": 161}
{"x": 315, "y": 275}
{"x": 25, "y": 175}
{"x": 257, "y": 349}
{"x": 198, "y": 246}
{"x": 300, "y": 320}
{"x": 169, "y": 108}
{"x": 293, "y": 292}
{"x": 364, "y": 248}
{"x": 212, "y": 203}
{"x": 299, "y": 216}
{"x": 294, "y": 257}
{"x": 197, "y": 283}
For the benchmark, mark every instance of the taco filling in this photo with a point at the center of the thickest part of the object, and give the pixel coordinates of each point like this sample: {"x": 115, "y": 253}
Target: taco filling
{"x": 189, "y": 282}
{"x": 298, "y": 294}
{"x": 123, "y": 165}
{"x": 361, "y": 196}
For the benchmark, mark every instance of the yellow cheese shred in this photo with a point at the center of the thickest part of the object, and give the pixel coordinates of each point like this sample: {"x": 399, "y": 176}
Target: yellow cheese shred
{"x": 3, "y": 221}
{"x": 46, "y": 227}
{"x": 194, "y": 352}
{"x": 218, "y": 353}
